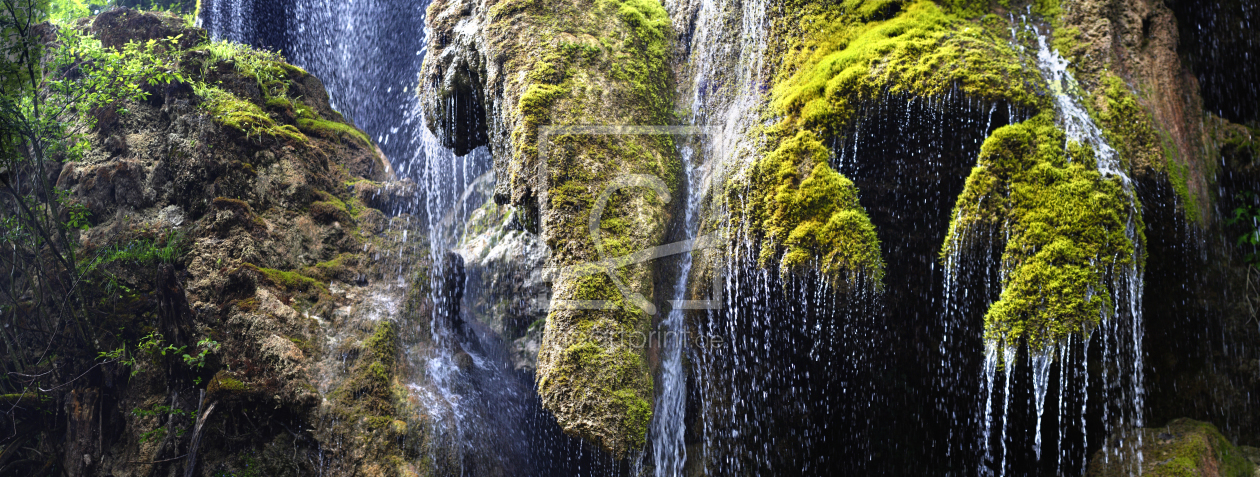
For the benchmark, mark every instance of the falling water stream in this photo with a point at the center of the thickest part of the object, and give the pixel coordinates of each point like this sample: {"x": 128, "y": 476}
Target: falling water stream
{"x": 668, "y": 448}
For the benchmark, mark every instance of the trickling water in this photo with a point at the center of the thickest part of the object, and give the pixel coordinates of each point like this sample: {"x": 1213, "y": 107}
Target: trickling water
{"x": 726, "y": 46}
{"x": 1041, "y": 380}
{"x": 668, "y": 449}
{"x": 1072, "y": 117}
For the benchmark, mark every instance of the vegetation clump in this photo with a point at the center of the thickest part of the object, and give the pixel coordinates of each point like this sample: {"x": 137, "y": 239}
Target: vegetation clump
{"x": 291, "y": 281}
{"x": 245, "y": 116}
{"x": 1071, "y": 233}
{"x": 333, "y": 129}
{"x": 809, "y": 213}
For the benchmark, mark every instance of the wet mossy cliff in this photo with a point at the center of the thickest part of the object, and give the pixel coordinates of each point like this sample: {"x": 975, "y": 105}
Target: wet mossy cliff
{"x": 1060, "y": 218}
{"x": 278, "y": 260}
{"x": 547, "y": 86}
{"x": 1067, "y": 218}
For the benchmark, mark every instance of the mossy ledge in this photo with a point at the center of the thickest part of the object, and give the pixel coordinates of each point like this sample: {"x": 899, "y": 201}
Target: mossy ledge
{"x": 560, "y": 64}
{"x": 1070, "y": 232}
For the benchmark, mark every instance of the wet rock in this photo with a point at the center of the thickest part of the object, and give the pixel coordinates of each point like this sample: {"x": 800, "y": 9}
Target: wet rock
{"x": 505, "y": 265}
{"x": 118, "y": 26}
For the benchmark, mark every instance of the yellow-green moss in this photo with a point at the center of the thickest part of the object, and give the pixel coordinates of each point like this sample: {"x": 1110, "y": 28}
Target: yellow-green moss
{"x": 1182, "y": 448}
{"x": 333, "y": 130}
{"x": 383, "y": 346}
{"x": 230, "y": 111}
{"x": 1047, "y": 9}
{"x": 303, "y": 111}
{"x": 223, "y": 383}
{"x": 267, "y": 68}
{"x": 1198, "y": 446}
{"x": 836, "y": 57}
{"x": 594, "y": 62}
{"x": 1065, "y": 227}
{"x": 290, "y": 281}
{"x": 367, "y": 389}
{"x": 620, "y": 379}
{"x": 841, "y": 61}
{"x": 329, "y": 212}
{"x": 1131, "y": 129}
{"x": 325, "y": 271}
{"x": 809, "y": 215}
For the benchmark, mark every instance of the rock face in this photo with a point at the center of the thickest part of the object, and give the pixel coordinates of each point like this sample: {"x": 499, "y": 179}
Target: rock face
{"x": 502, "y": 74}
{"x": 264, "y": 190}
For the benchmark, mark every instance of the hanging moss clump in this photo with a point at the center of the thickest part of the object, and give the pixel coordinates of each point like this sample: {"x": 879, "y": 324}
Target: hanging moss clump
{"x": 1069, "y": 232}
{"x": 809, "y": 213}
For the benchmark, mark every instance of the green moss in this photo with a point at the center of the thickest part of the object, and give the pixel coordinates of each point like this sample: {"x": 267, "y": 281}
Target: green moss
{"x": 268, "y": 68}
{"x": 247, "y": 305}
{"x": 279, "y": 103}
{"x": 228, "y": 110}
{"x": 331, "y": 269}
{"x": 291, "y": 281}
{"x": 328, "y": 212}
{"x": 839, "y": 63}
{"x": 597, "y": 62}
{"x": 1131, "y": 129}
{"x": 619, "y": 382}
{"x": 1046, "y": 9}
{"x": 236, "y": 205}
{"x": 808, "y": 215}
{"x": 368, "y": 387}
{"x": 303, "y": 111}
{"x": 25, "y": 399}
{"x": 333, "y": 130}
{"x": 1065, "y": 227}
{"x": 1182, "y": 448}
{"x": 638, "y": 412}
{"x": 223, "y": 383}
{"x": 837, "y": 57}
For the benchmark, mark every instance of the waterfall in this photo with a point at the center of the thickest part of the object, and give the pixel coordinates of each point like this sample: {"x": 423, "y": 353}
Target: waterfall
{"x": 366, "y": 53}
{"x": 723, "y": 103}
{"x": 229, "y": 20}
{"x": 791, "y": 376}
{"x": 726, "y": 45}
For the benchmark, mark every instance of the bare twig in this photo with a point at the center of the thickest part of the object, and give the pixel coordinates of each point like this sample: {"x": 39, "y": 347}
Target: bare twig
{"x": 157, "y": 461}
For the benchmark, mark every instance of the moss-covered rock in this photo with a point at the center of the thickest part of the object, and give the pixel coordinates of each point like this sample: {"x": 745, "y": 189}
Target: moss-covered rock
{"x": 1183, "y": 448}
{"x": 528, "y": 66}
{"x": 809, "y": 214}
{"x": 270, "y": 241}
